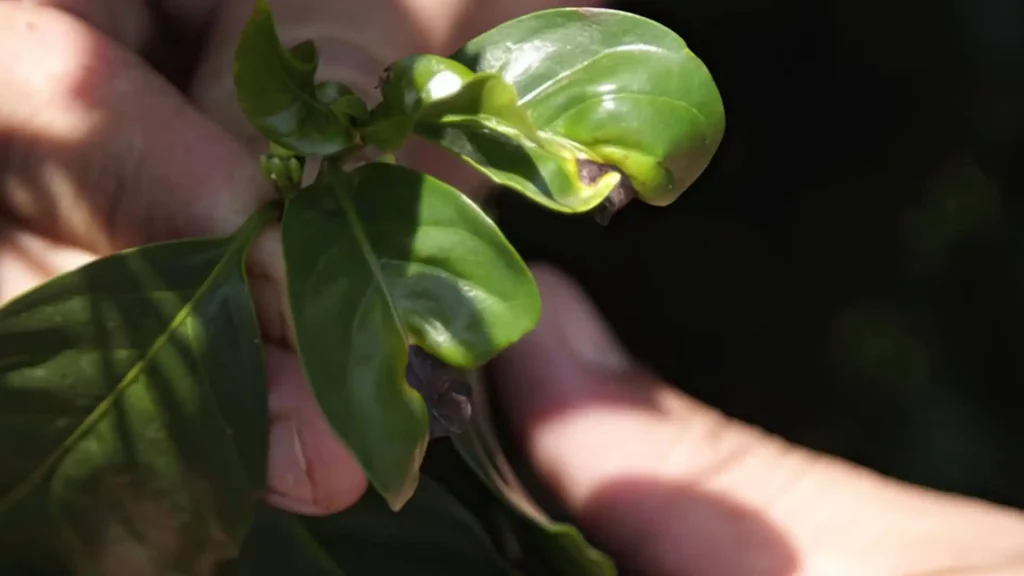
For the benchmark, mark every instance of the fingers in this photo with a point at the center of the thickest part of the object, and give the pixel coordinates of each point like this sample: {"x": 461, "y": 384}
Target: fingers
{"x": 100, "y": 151}
{"x": 128, "y": 23}
{"x": 631, "y": 459}
{"x": 672, "y": 486}
{"x": 132, "y": 23}
{"x": 28, "y": 259}
{"x": 311, "y": 471}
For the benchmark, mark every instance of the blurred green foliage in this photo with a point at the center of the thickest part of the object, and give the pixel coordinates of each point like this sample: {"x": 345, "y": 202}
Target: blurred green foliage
{"x": 849, "y": 272}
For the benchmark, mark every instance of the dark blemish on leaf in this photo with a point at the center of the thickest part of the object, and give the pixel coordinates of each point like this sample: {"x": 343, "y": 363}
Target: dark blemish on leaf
{"x": 445, "y": 389}
{"x": 590, "y": 172}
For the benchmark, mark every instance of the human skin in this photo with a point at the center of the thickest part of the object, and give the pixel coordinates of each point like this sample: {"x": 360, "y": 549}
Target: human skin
{"x": 100, "y": 153}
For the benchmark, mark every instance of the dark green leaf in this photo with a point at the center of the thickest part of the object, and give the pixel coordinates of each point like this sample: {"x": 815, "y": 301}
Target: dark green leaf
{"x": 277, "y": 92}
{"x": 562, "y": 545}
{"x": 279, "y": 544}
{"x": 431, "y": 535}
{"x": 379, "y": 259}
{"x": 133, "y": 413}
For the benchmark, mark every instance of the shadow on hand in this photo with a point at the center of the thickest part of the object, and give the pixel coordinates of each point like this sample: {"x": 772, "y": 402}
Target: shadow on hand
{"x": 656, "y": 528}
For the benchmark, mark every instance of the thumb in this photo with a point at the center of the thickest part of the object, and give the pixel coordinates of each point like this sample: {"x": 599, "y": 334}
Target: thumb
{"x": 637, "y": 463}
{"x": 671, "y": 486}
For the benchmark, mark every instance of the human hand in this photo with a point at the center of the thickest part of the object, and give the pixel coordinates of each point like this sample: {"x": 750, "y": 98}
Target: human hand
{"x": 672, "y": 487}
{"x": 99, "y": 152}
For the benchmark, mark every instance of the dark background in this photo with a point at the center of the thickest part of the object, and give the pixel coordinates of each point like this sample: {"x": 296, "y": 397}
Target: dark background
{"x": 847, "y": 273}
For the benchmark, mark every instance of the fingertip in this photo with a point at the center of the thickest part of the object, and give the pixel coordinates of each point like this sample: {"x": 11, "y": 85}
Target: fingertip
{"x": 572, "y": 356}
{"x": 311, "y": 472}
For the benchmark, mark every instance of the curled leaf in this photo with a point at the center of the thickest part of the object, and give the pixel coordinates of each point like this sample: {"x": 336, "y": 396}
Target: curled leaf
{"x": 537, "y": 102}
{"x": 478, "y": 117}
{"x": 343, "y": 101}
{"x": 626, "y": 88}
{"x": 277, "y": 92}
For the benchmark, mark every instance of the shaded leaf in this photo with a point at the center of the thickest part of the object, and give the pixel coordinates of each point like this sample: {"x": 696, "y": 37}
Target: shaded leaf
{"x": 133, "y": 418}
{"x": 343, "y": 101}
{"x": 279, "y": 543}
{"x": 433, "y": 534}
{"x": 561, "y": 544}
{"x": 277, "y": 92}
{"x": 379, "y": 259}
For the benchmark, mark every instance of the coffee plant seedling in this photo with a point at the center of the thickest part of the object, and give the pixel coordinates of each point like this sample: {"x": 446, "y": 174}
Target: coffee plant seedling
{"x": 133, "y": 416}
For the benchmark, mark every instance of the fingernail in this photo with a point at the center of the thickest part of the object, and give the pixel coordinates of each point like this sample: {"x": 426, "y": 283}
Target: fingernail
{"x": 288, "y": 475}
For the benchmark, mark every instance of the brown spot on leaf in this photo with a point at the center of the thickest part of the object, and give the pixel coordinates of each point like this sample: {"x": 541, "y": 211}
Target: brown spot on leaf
{"x": 590, "y": 172}
{"x": 445, "y": 389}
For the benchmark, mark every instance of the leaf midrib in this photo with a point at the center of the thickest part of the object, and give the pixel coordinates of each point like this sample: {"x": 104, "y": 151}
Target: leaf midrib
{"x": 369, "y": 254}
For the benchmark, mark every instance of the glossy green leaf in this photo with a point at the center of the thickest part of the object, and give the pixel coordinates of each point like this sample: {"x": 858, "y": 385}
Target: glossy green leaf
{"x": 605, "y": 92}
{"x": 277, "y": 91}
{"x": 626, "y": 88}
{"x": 427, "y": 88}
{"x": 379, "y": 259}
{"x": 478, "y": 117}
{"x": 133, "y": 418}
{"x": 563, "y": 546}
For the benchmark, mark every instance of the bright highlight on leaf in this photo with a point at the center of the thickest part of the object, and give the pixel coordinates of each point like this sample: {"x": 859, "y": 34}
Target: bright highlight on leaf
{"x": 535, "y": 102}
{"x": 625, "y": 88}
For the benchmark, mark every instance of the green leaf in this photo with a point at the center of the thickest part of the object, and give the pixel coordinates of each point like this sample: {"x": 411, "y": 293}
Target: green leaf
{"x": 605, "y": 92}
{"x": 277, "y": 91}
{"x": 626, "y": 88}
{"x": 343, "y": 101}
{"x": 379, "y": 259}
{"x": 433, "y": 534}
{"x": 279, "y": 543}
{"x": 562, "y": 545}
{"x": 477, "y": 116}
{"x": 133, "y": 418}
